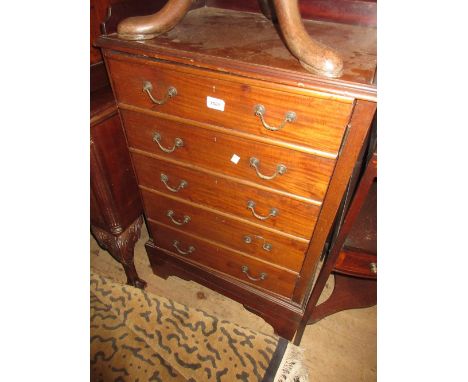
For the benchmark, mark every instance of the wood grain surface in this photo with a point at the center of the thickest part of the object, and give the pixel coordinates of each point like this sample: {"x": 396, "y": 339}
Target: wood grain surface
{"x": 113, "y": 183}
{"x": 320, "y": 122}
{"x": 355, "y": 262}
{"x": 361, "y": 12}
{"x": 360, "y": 123}
{"x": 239, "y": 60}
{"x": 250, "y": 45}
{"x": 306, "y": 175}
{"x": 224, "y": 260}
{"x": 295, "y": 217}
{"x": 226, "y": 229}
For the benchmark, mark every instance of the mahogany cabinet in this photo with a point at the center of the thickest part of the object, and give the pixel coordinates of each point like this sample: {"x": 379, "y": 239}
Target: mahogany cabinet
{"x": 116, "y": 211}
{"x": 242, "y": 156}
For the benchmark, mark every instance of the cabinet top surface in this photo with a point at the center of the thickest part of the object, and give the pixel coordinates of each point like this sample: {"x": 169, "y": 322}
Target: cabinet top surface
{"x": 250, "y": 44}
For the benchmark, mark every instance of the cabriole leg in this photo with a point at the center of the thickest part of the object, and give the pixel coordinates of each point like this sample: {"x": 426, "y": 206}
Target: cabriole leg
{"x": 121, "y": 247}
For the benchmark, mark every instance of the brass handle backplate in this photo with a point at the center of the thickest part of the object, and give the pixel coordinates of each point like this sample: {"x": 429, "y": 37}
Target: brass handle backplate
{"x": 148, "y": 87}
{"x": 259, "y": 111}
{"x": 251, "y": 206}
{"x": 190, "y": 249}
{"x": 266, "y": 246}
{"x": 280, "y": 169}
{"x": 373, "y": 268}
{"x": 178, "y": 142}
{"x": 245, "y": 270}
{"x": 186, "y": 219}
{"x": 165, "y": 179}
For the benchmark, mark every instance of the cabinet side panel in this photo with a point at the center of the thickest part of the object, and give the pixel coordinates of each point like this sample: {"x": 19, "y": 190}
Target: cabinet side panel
{"x": 359, "y": 126}
{"x": 117, "y": 171}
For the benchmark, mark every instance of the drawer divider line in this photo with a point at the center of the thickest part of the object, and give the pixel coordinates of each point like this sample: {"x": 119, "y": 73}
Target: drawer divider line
{"x": 291, "y": 146}
{"x": 215, "y": 243}
{"x": 228, "y": 177}
{"x": 233, "y": 217}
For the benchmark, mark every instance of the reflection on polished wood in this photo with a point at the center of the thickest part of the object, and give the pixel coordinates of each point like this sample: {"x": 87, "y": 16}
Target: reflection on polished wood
{"x": 313, "y": 55}
{"x": 150, "y": 26}
{"x": 316, "y": 57}
{"x": 252, "y": 239}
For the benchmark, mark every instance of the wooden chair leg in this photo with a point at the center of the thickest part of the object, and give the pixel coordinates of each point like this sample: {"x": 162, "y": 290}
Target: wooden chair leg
{"x": 121, "y": 247}
{"x": 313, "y": 55}
{"x": 150, "y": 26}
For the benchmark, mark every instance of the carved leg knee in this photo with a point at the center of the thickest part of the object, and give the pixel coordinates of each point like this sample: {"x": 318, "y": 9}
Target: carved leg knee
{"x": 121, "y": 248}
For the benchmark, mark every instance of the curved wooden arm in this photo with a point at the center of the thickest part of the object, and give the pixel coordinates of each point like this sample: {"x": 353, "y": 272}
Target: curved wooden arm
{"x": 147, "y": 27}
{"x": 313, "y": 55}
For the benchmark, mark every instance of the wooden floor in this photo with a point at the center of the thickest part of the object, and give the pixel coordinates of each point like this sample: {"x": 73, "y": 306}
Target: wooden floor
{"x": 340, "y": 348}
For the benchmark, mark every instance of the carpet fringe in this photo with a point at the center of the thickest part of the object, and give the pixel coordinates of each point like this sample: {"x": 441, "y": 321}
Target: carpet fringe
{"x": 292, "y": 367}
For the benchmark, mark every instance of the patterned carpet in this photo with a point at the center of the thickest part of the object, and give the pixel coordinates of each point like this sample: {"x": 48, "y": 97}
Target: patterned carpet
{"x": 137, "y": 336}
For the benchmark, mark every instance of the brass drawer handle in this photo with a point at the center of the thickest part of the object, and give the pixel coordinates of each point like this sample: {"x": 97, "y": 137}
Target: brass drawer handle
{"x": 170, "y": 215}
{"x": 188, "y": 252}
{"x": 178, "y": 142}
{"x": 182, "y": 184}
{"x": 259, "y": 111}
{"x": 373, "y": 268}
{"x": 251, "y": 206}
{"x": 148, "y": 87}
{"x": 266, "y": 246}
{"x": 245, "y": 269}
{"x": 280, "y": 169}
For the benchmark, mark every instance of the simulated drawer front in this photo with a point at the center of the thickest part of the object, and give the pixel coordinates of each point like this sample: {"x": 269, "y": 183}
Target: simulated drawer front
{"x": 271, "y": 209}
{"x": 356, "y": 263}
{"x": 229, "y": 231}
{"x": 319, "y": 123}
{"x": 280, "y": 168}
{"x": 244, "y": 268}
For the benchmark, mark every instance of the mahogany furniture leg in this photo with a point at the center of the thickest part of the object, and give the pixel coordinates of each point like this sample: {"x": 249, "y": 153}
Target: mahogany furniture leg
{"x": 313, "y": 55}
{"x": 349, "y": 293}
{"x": 150, "y": 26}
{"x": 121, "y": 248}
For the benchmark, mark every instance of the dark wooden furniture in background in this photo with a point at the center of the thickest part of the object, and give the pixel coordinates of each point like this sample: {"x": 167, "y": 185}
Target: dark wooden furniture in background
{"x": 242, "y": 156}
{"x": 352, "y": 258}
{"x": 116, "y": 211}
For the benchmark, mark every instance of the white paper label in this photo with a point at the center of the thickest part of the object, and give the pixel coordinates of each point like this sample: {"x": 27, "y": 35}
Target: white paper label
{"x": 215, "y": 103}
{"x": 235, "y": 158}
